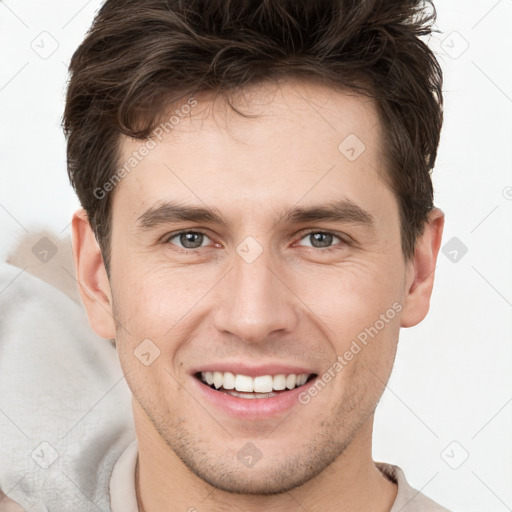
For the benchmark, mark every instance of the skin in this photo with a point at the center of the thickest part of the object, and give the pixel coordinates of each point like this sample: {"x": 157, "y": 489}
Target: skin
{"x": 295, "y": 304}
{"x": 8, "y": 505}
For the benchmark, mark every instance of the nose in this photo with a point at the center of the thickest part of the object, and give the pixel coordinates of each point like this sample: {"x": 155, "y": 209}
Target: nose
{"x": 255, "y": 300}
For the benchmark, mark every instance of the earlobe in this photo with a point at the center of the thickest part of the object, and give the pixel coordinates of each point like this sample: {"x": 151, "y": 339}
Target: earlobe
{"x": 421, "y": 271}
{"x": 93, "y": 283}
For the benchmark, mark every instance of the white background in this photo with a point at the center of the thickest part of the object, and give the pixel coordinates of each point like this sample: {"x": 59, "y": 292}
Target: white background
{"x": 450, "y": 394}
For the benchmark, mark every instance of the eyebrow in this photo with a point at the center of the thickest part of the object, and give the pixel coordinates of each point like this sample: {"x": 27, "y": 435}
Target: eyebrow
{"x": 342, "y": 210}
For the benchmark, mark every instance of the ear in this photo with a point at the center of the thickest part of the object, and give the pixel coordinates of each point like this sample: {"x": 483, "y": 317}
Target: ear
{"x": 420, "y": 271}
{"x": 93, "y": 283}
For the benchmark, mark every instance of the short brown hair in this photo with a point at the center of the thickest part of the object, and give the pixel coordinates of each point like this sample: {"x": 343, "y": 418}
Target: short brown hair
{"x": 141, "y": 55}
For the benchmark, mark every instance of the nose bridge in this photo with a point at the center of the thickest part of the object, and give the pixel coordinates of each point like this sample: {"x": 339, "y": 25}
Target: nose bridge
{"x": 255, "y": 302}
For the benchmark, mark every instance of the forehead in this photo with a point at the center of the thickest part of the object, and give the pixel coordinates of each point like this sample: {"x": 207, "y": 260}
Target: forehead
{"x": 307, "y": 142}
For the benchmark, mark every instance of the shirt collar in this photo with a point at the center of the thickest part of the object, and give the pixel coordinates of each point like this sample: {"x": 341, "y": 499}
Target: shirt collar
{"x": 122, "y": 481}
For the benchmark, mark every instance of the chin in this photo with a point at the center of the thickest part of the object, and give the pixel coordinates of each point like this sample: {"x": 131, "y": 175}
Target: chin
{"x": 265, "y": 474}
{"x": 265, "y": 481}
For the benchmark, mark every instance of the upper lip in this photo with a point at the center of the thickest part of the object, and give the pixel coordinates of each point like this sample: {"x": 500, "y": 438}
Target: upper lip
{"x": 253, "y": 370}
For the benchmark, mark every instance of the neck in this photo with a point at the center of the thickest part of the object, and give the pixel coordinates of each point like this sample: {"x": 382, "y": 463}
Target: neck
{"x": 351, "y": 483}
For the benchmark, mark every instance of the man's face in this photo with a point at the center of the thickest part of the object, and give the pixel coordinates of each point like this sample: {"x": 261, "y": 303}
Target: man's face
{"x": 264, "y": 293}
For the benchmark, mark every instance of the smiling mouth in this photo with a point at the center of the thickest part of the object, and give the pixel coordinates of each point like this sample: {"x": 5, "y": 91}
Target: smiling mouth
{"x": 262, "y": 386}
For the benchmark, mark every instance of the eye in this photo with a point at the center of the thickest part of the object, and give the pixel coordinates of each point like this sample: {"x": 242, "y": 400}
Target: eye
{"x": 188, "y": 239}
{"x": 321, "y": 239}
{"x": 194, "y": 240}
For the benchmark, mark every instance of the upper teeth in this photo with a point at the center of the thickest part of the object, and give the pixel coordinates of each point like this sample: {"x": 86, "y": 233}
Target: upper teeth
{"x": 260, "y": 384}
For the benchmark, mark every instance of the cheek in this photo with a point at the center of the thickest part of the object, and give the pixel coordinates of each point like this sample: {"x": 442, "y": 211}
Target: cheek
{"x": 352, "y": 297}
{"x": 160, "y": 303}
{"x": 359, "y": 307}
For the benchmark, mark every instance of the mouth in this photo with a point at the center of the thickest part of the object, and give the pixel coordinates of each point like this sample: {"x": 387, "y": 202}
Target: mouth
{"x": 257, "y": 387}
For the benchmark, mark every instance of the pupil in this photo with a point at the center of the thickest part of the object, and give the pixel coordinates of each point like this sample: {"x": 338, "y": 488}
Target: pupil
{"x": 318, "y": 237}
{"x": 188, "y": 240}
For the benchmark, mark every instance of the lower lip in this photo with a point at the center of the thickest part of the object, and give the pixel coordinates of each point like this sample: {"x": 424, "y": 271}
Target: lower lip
{"x": 252, "y": 408}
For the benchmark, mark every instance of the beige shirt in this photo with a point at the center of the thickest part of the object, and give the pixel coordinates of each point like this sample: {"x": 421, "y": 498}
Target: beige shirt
{"x": 124, "y": 499}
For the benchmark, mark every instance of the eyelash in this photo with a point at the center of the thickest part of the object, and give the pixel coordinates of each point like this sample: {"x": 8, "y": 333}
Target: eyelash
{"x": 343, "y": 240}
